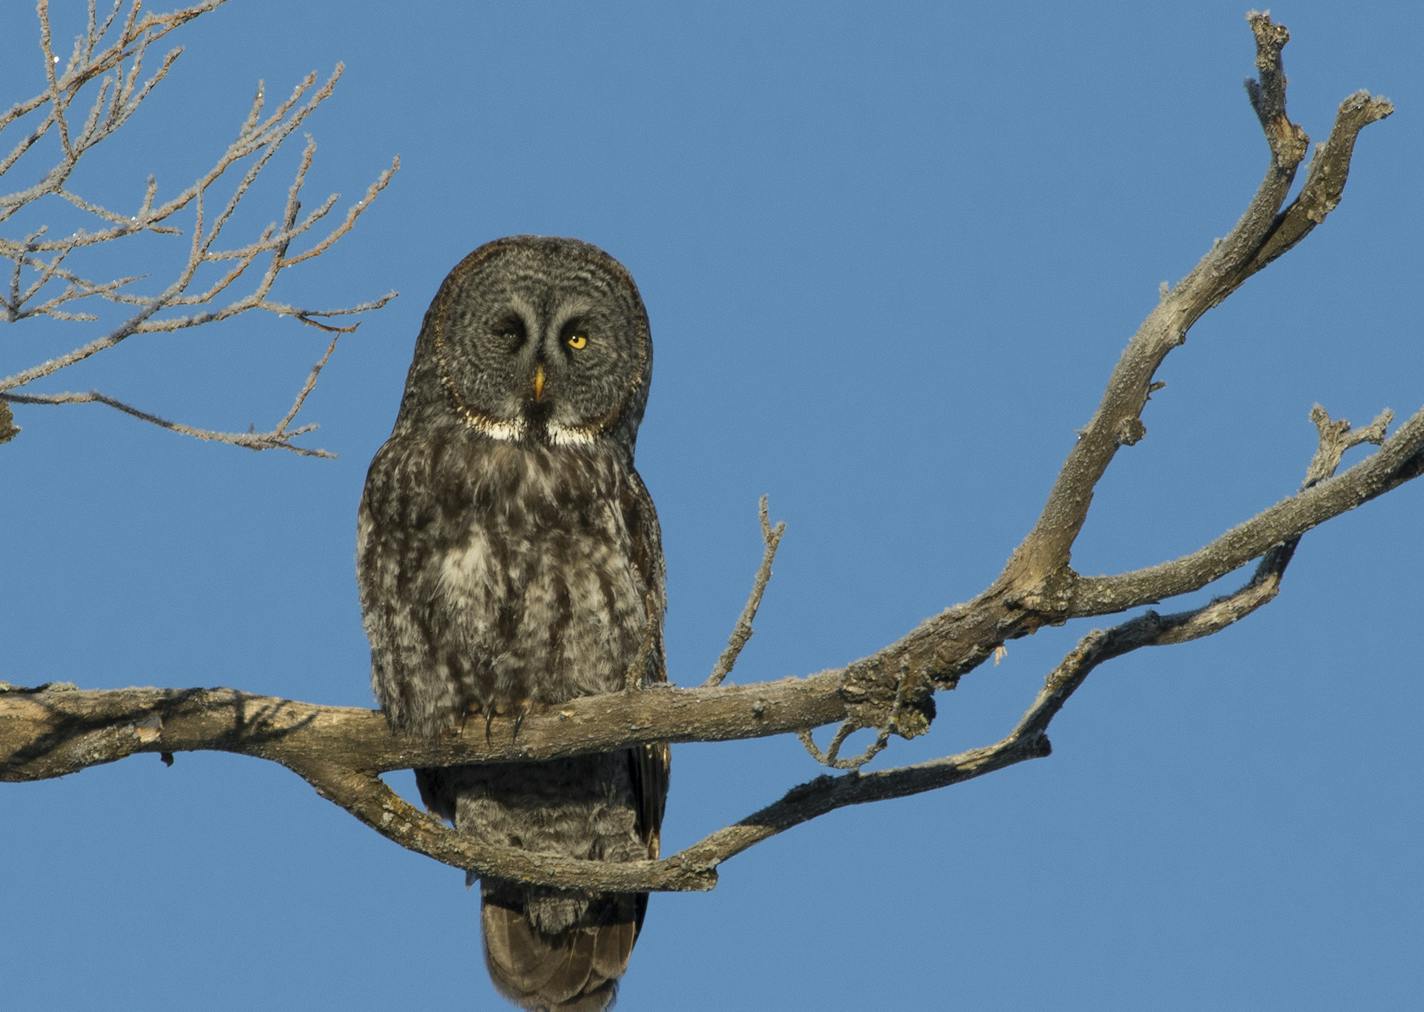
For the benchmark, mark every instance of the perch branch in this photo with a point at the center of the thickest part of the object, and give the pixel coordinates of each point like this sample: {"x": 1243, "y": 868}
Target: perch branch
{"x": 55, "y": 730}
{"x": 1029, "y": 737}
{"x": 52, "y": 731}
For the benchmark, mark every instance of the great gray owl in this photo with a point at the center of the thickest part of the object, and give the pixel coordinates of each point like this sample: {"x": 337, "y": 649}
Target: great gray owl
{"x": 509, "y": 559}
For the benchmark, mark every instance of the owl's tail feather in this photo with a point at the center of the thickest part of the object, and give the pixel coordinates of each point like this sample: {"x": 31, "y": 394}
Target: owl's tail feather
{"x": 573, "y": 970}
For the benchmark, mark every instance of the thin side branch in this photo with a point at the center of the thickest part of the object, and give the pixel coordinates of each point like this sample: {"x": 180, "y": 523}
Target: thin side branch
{"x": 43, "y": 284}
{"x": 1399, "y": 459}
{"x": 742, "y": 631}
{"x": 273, "y": 440}
{"x": 831, "y": 756}
{"x": 278, "y": 438}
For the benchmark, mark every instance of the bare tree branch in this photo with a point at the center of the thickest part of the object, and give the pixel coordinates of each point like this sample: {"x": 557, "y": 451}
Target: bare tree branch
{"x": 1400, "y": 458}
{"x": 742, "y": 631}
{"x": 52, "y": 731}
{"x": 278, "y": 438}
{"x": 1261, "y": 235}
{"x": 55, "y": 730}
{"x": 41, "y": 283}
{"x": 831, "y": 756}
{"x": 1028, "y": 739}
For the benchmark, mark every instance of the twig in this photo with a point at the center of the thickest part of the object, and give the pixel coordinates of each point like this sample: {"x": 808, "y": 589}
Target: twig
{"x": 277, "y": 439}
{"x": 742, "y": 631}
{"x": 1336, "y": 437}
{"x": 831, "y": 756}
{"x": 41, "y": 284}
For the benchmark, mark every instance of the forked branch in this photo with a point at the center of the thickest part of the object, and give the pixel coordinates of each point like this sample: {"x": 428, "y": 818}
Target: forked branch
{"x": 1263, "y": 233}
{"x": 46, "y": 276}
{"x": 52, "y": 731}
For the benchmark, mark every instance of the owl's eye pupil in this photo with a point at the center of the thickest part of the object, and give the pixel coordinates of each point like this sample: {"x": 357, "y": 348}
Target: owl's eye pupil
{"x": 577, "y": 340}
{"x": 511, "y": 330}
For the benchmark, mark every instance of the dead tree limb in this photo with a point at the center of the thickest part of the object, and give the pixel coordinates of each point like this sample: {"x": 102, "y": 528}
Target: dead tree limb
{"x": 46, "y": 279}
{"x": 52, "y": 731}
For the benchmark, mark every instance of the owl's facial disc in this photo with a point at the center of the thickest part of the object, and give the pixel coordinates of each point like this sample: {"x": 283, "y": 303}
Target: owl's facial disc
{"x": 544, "y": 340}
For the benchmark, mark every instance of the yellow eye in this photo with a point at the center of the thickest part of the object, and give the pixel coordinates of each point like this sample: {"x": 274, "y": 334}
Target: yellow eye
{"x": 577, "y": 341}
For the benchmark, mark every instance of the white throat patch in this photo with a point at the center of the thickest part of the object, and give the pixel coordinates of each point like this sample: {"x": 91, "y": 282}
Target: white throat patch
{"x": 514, "y": 430}
{"x": 570, "y": 435}
{"x": 506, "y": 430}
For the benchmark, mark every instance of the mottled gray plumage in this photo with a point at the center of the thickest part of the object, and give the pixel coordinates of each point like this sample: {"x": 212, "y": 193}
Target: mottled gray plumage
{"x": 509, "y": 559}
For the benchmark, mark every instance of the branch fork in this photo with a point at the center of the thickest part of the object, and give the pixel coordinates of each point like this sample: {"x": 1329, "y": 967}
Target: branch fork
{"x": 50, "y": 732}
{"x": 43, "y": 281}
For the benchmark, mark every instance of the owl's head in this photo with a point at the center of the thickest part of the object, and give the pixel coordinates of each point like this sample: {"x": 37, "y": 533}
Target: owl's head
{"x": 535, "y": 338}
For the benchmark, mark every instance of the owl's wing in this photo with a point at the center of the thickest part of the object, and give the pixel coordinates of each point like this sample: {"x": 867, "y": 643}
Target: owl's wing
{"x": 650, "y": 763}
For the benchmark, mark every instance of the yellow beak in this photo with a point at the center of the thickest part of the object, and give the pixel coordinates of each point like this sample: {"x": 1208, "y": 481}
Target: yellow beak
{"x": 538, "y": 382}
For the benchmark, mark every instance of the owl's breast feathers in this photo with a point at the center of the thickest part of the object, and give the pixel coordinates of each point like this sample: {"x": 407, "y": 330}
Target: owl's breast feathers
{"x": 500, "y": 577}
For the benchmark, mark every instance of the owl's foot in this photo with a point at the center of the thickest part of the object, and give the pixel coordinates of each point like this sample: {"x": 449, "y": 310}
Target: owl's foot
{"x": 474, "y": 710}
{"x": 517, "y": 711}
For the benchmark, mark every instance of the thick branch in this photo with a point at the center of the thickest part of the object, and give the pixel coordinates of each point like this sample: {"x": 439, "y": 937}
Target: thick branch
{"x": 1028, "y": 739}
{"x": 53, "y": 731}
{"x": 56, "y": 730}
{"x": 1262, "y": 234}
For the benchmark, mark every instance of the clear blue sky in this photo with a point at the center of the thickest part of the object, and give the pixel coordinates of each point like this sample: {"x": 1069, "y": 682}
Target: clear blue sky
{"x": 890, "y": 252}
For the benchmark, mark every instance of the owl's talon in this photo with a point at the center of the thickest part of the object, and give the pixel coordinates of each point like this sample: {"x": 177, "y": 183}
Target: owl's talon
{"x": 518, "y": 723}
{"x": 489, "y": 719}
